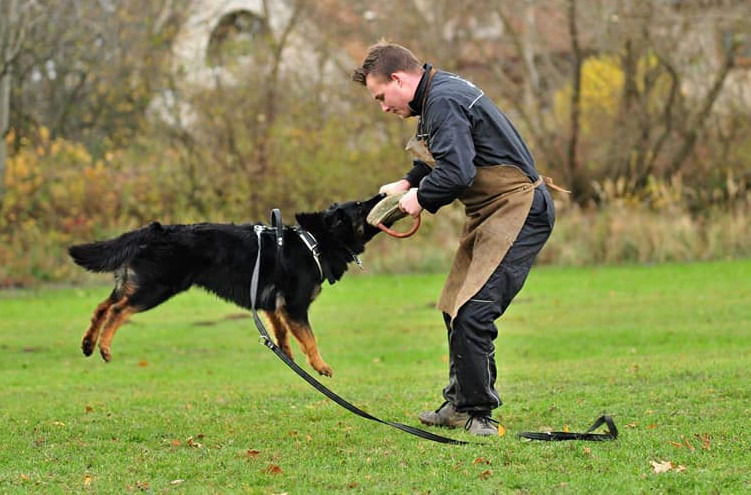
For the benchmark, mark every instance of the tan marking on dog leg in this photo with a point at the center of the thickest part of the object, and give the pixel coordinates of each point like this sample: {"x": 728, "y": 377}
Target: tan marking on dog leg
{"x": 91, "y": 335}
{"x": 304, "y": 335}
{"x": 280, "y": 331}
{"x": 118, "y": 314}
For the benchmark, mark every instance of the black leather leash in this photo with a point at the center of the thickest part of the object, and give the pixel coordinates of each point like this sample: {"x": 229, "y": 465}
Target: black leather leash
{"x": 557, "y": 436}
{"x": 276, "y": 224}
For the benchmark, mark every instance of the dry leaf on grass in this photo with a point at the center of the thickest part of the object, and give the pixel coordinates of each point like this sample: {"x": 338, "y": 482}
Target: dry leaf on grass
{"x": 704, "y": 438}
{"x": 666, "y": 466}
{"x": 252, "y": 453}
{"x": 273, "y": 469}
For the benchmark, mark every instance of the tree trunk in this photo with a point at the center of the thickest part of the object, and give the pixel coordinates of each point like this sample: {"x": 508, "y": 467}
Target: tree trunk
{"x": 580, "y": 186}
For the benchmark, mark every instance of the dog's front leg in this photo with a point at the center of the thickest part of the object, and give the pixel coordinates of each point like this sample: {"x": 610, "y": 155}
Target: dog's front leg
{"x": 300, "y": 328}
{"x": 279, "y": 328}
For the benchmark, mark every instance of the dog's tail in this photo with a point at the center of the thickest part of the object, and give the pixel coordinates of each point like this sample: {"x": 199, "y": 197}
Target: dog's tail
{"x": 109, "y": 255}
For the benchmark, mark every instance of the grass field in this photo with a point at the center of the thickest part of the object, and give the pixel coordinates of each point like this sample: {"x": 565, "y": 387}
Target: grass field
{"x": 193, "y": 404}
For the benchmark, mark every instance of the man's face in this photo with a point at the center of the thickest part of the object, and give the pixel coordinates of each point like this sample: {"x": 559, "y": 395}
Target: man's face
{"x": 393, "y": 93}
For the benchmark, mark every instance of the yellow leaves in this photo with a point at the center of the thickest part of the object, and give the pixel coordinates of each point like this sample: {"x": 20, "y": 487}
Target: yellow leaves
{"x": 501, "y": 430}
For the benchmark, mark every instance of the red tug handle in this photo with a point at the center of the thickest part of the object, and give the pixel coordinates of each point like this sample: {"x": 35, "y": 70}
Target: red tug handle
{"x": 401, "y": 235}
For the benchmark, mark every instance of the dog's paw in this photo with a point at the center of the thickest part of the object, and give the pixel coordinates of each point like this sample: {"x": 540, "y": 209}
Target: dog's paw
{"x": 325, "y": 370}
{"x": 87, "y": 346}
{"x": 106, "y": 355}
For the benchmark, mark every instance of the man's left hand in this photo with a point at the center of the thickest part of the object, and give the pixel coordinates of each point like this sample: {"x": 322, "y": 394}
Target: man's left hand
{"x": 409, "y": 204}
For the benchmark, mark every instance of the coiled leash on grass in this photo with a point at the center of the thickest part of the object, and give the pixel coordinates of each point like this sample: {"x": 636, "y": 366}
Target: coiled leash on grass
{"x": 276, "y": 224}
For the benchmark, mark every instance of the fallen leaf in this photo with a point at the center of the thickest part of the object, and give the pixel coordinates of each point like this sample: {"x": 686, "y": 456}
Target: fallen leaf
{"x": 89, "y": 409}
{"x": 87, "y": 481}
{"x": 661, "y": 467}
{"x": 632, "y": 425}
{"x": 143, "y": 363}
{"x": 688, "y": 444}
{"x": 176, "y": 482}
{"x": 566, "y": 429}
{"x": 192, "y": 443}
{"x": 486, "y": 474}
{"x": 273, "y": 469}
{"x": 481, "y": 460}
{"x": 652, "y": 426}
{"x": 501, "y": 430}
{"x": 252, "y": 454}
{"x": 665, "y": 466}
{"x": 704, "y": 438}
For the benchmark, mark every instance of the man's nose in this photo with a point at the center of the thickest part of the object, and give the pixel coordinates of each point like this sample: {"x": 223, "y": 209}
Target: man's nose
{"x": 384, "y": 107}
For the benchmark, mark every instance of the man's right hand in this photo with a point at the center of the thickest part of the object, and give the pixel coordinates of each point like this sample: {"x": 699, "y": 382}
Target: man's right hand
{"x": 395, "y": 187}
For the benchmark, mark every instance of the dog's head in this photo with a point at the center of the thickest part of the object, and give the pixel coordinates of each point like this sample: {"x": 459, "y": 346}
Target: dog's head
{"x": 344, "y": 222}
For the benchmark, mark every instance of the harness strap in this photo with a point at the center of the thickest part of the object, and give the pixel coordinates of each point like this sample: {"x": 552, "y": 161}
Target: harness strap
{"x": 311, "y": 243}
{"x": 557, "y": 436}
{"x": 266, "y": 340}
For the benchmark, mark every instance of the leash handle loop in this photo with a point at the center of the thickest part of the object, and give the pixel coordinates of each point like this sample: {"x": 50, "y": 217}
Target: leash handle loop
{"x": 557, "y": 436}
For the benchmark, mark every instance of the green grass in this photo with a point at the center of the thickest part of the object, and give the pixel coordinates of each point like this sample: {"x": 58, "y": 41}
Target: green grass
{"x": 193, "y": 404}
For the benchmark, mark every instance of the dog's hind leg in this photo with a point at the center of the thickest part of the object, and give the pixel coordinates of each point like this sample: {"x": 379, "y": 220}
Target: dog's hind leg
{"x": 91, "y": 335}
{"x": 300, "y": 328}
{"x": 280, "y": 330}
{"x": 117, "y": 314}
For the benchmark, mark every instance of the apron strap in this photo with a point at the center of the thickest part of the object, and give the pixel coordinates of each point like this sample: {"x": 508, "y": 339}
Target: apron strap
{"x": 549, "y": 183}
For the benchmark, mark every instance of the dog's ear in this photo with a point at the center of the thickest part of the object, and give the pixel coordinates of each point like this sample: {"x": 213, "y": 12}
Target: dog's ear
{"x": 334, "y": 219}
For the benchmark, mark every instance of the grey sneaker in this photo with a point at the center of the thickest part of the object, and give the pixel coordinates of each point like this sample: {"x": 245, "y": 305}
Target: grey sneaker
{"x": 483, "y": 426}
{"x": 446, "y": 416}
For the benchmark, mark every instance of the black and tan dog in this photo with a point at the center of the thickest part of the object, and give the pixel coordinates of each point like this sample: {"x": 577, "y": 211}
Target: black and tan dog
{"x": 156, "y": 262}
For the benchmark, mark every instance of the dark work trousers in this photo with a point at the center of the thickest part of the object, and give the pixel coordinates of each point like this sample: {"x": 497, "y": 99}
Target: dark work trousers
{"x": 472, "y": 369}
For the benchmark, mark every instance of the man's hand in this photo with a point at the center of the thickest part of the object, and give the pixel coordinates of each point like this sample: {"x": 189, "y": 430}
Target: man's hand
{"x": 409, "y": 204}
{"x": 395, "y": 187}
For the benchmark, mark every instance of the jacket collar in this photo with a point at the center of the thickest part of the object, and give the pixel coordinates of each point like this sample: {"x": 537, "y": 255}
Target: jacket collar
{"x": 416, "y": 104}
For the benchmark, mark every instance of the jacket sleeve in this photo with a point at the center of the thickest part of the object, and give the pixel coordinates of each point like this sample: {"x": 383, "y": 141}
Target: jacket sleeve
{"x": 419, "y": 170}
{"x": 452, "y": 147}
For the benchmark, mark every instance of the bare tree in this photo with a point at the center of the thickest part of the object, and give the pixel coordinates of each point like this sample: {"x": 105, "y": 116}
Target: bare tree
{"x": 16, "y": 17}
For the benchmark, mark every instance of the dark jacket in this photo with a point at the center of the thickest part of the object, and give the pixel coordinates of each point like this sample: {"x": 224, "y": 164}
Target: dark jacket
{"x": 464, "y": 129}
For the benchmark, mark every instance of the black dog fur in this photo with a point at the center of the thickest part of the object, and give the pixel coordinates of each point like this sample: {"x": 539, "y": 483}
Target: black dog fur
{"x": 154, "y": 263}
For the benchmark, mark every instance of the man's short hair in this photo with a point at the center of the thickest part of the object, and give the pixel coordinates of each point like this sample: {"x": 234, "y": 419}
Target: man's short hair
{"x": 383, "y": 59}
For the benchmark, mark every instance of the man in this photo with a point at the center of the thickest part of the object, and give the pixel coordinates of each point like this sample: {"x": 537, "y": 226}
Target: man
{"x": 467, "y": 149}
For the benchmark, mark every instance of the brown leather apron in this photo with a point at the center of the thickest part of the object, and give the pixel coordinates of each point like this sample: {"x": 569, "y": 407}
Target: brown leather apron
{"x": 496, "y": 204}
